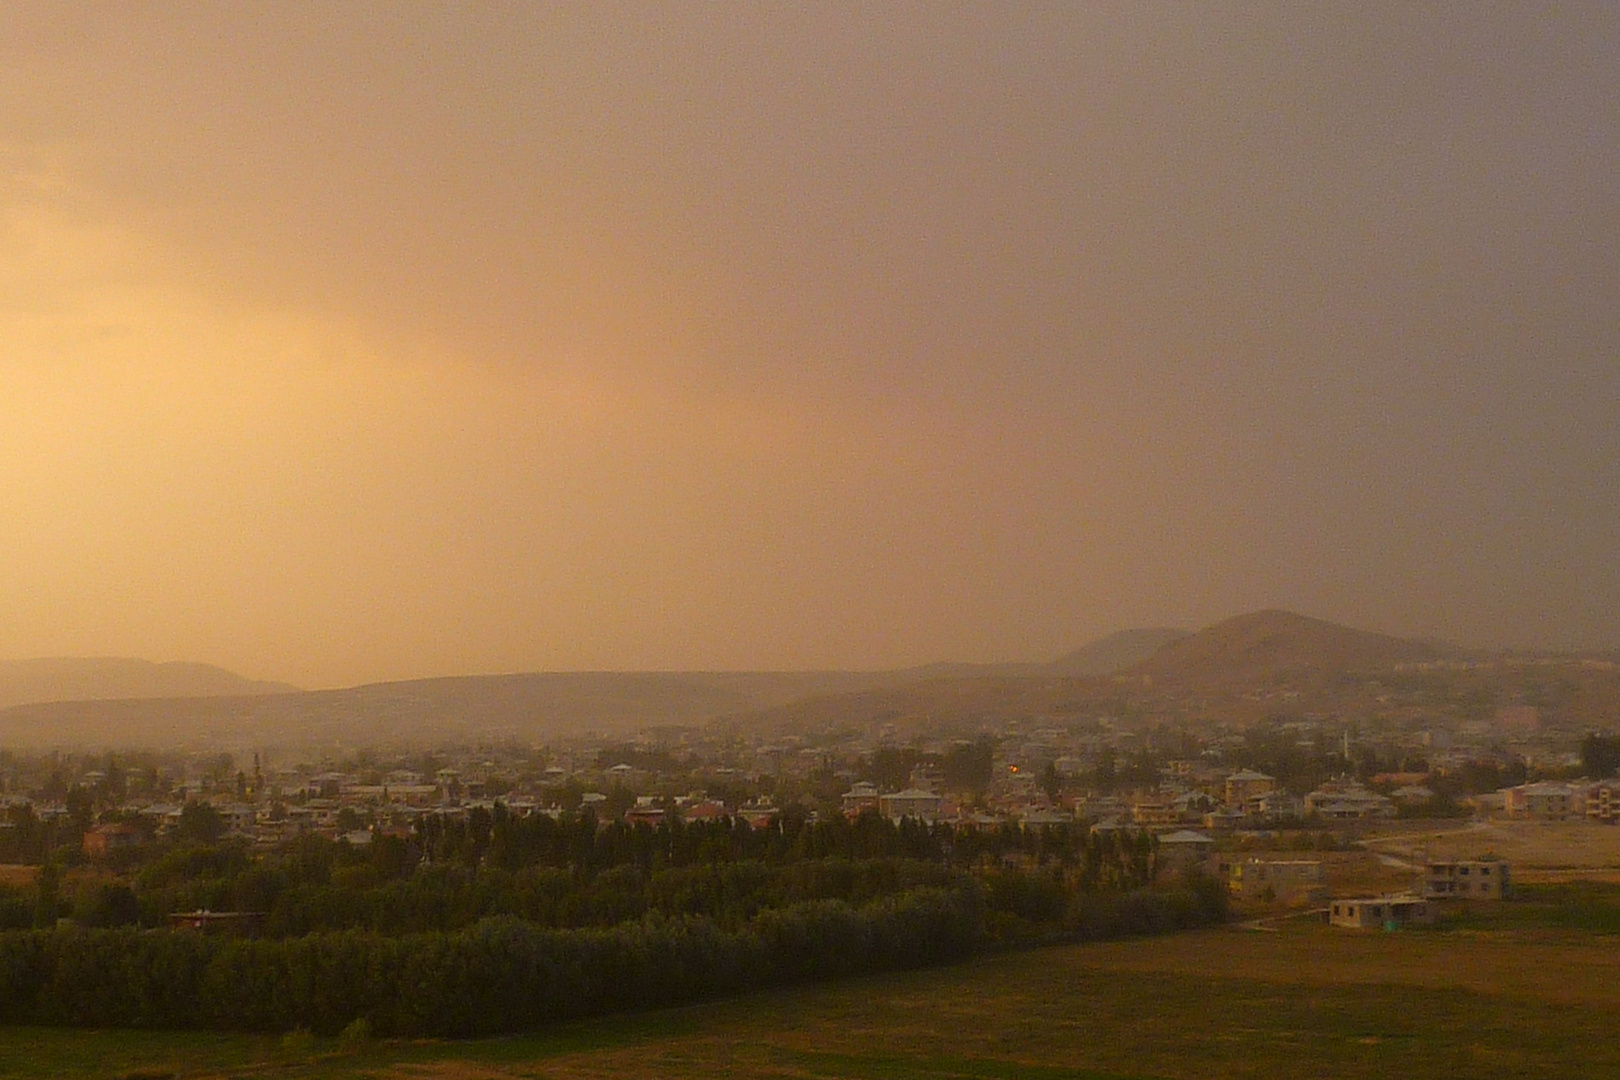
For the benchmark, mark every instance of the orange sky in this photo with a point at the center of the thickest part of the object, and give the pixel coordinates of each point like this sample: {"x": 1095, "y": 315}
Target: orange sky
{"x": 364, "y": 341}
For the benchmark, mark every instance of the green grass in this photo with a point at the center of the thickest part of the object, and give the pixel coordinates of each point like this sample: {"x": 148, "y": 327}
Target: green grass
{"x": 879, "y": 1067}
{"x": 1520, "y": 990}
{"x": 1589, "y": 907}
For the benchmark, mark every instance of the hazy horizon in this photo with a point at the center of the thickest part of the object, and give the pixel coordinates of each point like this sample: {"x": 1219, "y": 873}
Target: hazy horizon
{"x": 384, "y": 341}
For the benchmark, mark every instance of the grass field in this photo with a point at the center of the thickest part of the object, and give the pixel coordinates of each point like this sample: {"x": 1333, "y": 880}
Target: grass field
{"x": 1504, "y": 993}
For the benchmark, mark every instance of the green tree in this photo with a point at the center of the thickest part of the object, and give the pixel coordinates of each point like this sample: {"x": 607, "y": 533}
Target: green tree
{"x": 968, "y": 766}
{"x": 1600, "y": 755}
{"x": 48, "y": 895}
{"x": 108, "y": 905}
{"x": 1051, "y": 782}
{"x": 80, "y": 807}
{"x": 200, "y": 824}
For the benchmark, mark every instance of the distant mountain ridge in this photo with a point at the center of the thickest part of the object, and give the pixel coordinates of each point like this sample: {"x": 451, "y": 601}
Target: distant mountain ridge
{"x": 425, "y": 711}
{"x": 195, "y": 704}
{"x": 111, "y": 678}
{"x": 529, "y": 705}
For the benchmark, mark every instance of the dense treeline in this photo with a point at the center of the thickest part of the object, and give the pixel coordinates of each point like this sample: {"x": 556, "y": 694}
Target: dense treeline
{"x": 729, "y": 894}
{"x": 499, "y": 839}
{"x": 495, "y": 923}
{"x": 570, "y": 873}
{"x": 505, "y": 974}
{"x": 498, "y": 975}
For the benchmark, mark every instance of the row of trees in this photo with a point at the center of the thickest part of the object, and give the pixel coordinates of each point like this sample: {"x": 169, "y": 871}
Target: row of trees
{"x": 496, "y": 838}
{"x": 505, "y": 974}
{"x": 447, "y": 898}
{"x": 571, "y": 873}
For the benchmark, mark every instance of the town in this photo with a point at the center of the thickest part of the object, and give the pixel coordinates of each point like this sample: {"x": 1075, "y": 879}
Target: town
{"x": 1246, "y": 805}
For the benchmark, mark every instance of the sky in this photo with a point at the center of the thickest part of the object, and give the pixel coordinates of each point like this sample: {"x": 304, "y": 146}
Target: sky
{"x": 350, "y": 342}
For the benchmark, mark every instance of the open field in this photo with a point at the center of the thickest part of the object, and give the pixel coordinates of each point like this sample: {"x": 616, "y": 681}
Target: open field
{"x": 1503, "y": 996}
{"x": 1538, "y": 850}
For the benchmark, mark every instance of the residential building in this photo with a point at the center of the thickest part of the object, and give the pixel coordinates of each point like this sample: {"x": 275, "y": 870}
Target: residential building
{"x": 1289, "y": 881}
{"x": 1465, "y": 879}
{"x": 1545, "y": 801}
{"x": 1603, "y": 802}
{"x": 758, "y": 814}
{"x": 1245, "y": 784}
{"x": 861, "y": 797}
{"x": 1346, "y": 800}
{"x": 1153, "y": 812}
{"x": 1389, "y": 912}
{"x": 1184, "y": 848}
{"x": 912, "y": 802}
{"x": 1273, "y": 805}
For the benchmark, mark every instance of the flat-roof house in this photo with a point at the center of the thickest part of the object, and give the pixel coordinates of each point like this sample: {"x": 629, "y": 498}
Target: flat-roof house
{"x": 1388, "y": 912}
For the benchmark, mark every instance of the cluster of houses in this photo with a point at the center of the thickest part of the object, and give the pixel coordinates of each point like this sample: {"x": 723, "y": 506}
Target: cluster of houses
{"x": 267, "y": 827}
{"x": 1304, "y": 882}
{"x": 1249, "y": 799}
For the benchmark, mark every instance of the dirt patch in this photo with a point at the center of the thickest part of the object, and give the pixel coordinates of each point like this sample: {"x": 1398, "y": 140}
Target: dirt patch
{"x": 13, "y": 875}
{"x": 1530, "y": 846}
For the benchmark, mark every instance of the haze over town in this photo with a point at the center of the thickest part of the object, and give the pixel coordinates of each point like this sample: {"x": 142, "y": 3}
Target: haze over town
{"x": 383, "y": 341}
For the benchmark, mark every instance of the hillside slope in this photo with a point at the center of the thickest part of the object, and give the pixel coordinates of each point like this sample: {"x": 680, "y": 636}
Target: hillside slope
{"x": 1114, "y": 653}
{"x": 109, "y": 678}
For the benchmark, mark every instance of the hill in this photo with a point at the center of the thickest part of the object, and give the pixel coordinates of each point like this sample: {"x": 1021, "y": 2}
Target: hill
{"x": 1266, "y": 648}
{"x": 935, "y": 706}
{"x": 1114, "y": 653}
{"x": 107, "y": 678}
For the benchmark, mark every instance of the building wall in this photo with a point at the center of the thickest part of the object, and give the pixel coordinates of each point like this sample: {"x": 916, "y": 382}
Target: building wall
{"x": 1291, "y": 879}
{"x": 1466, "y": 879}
